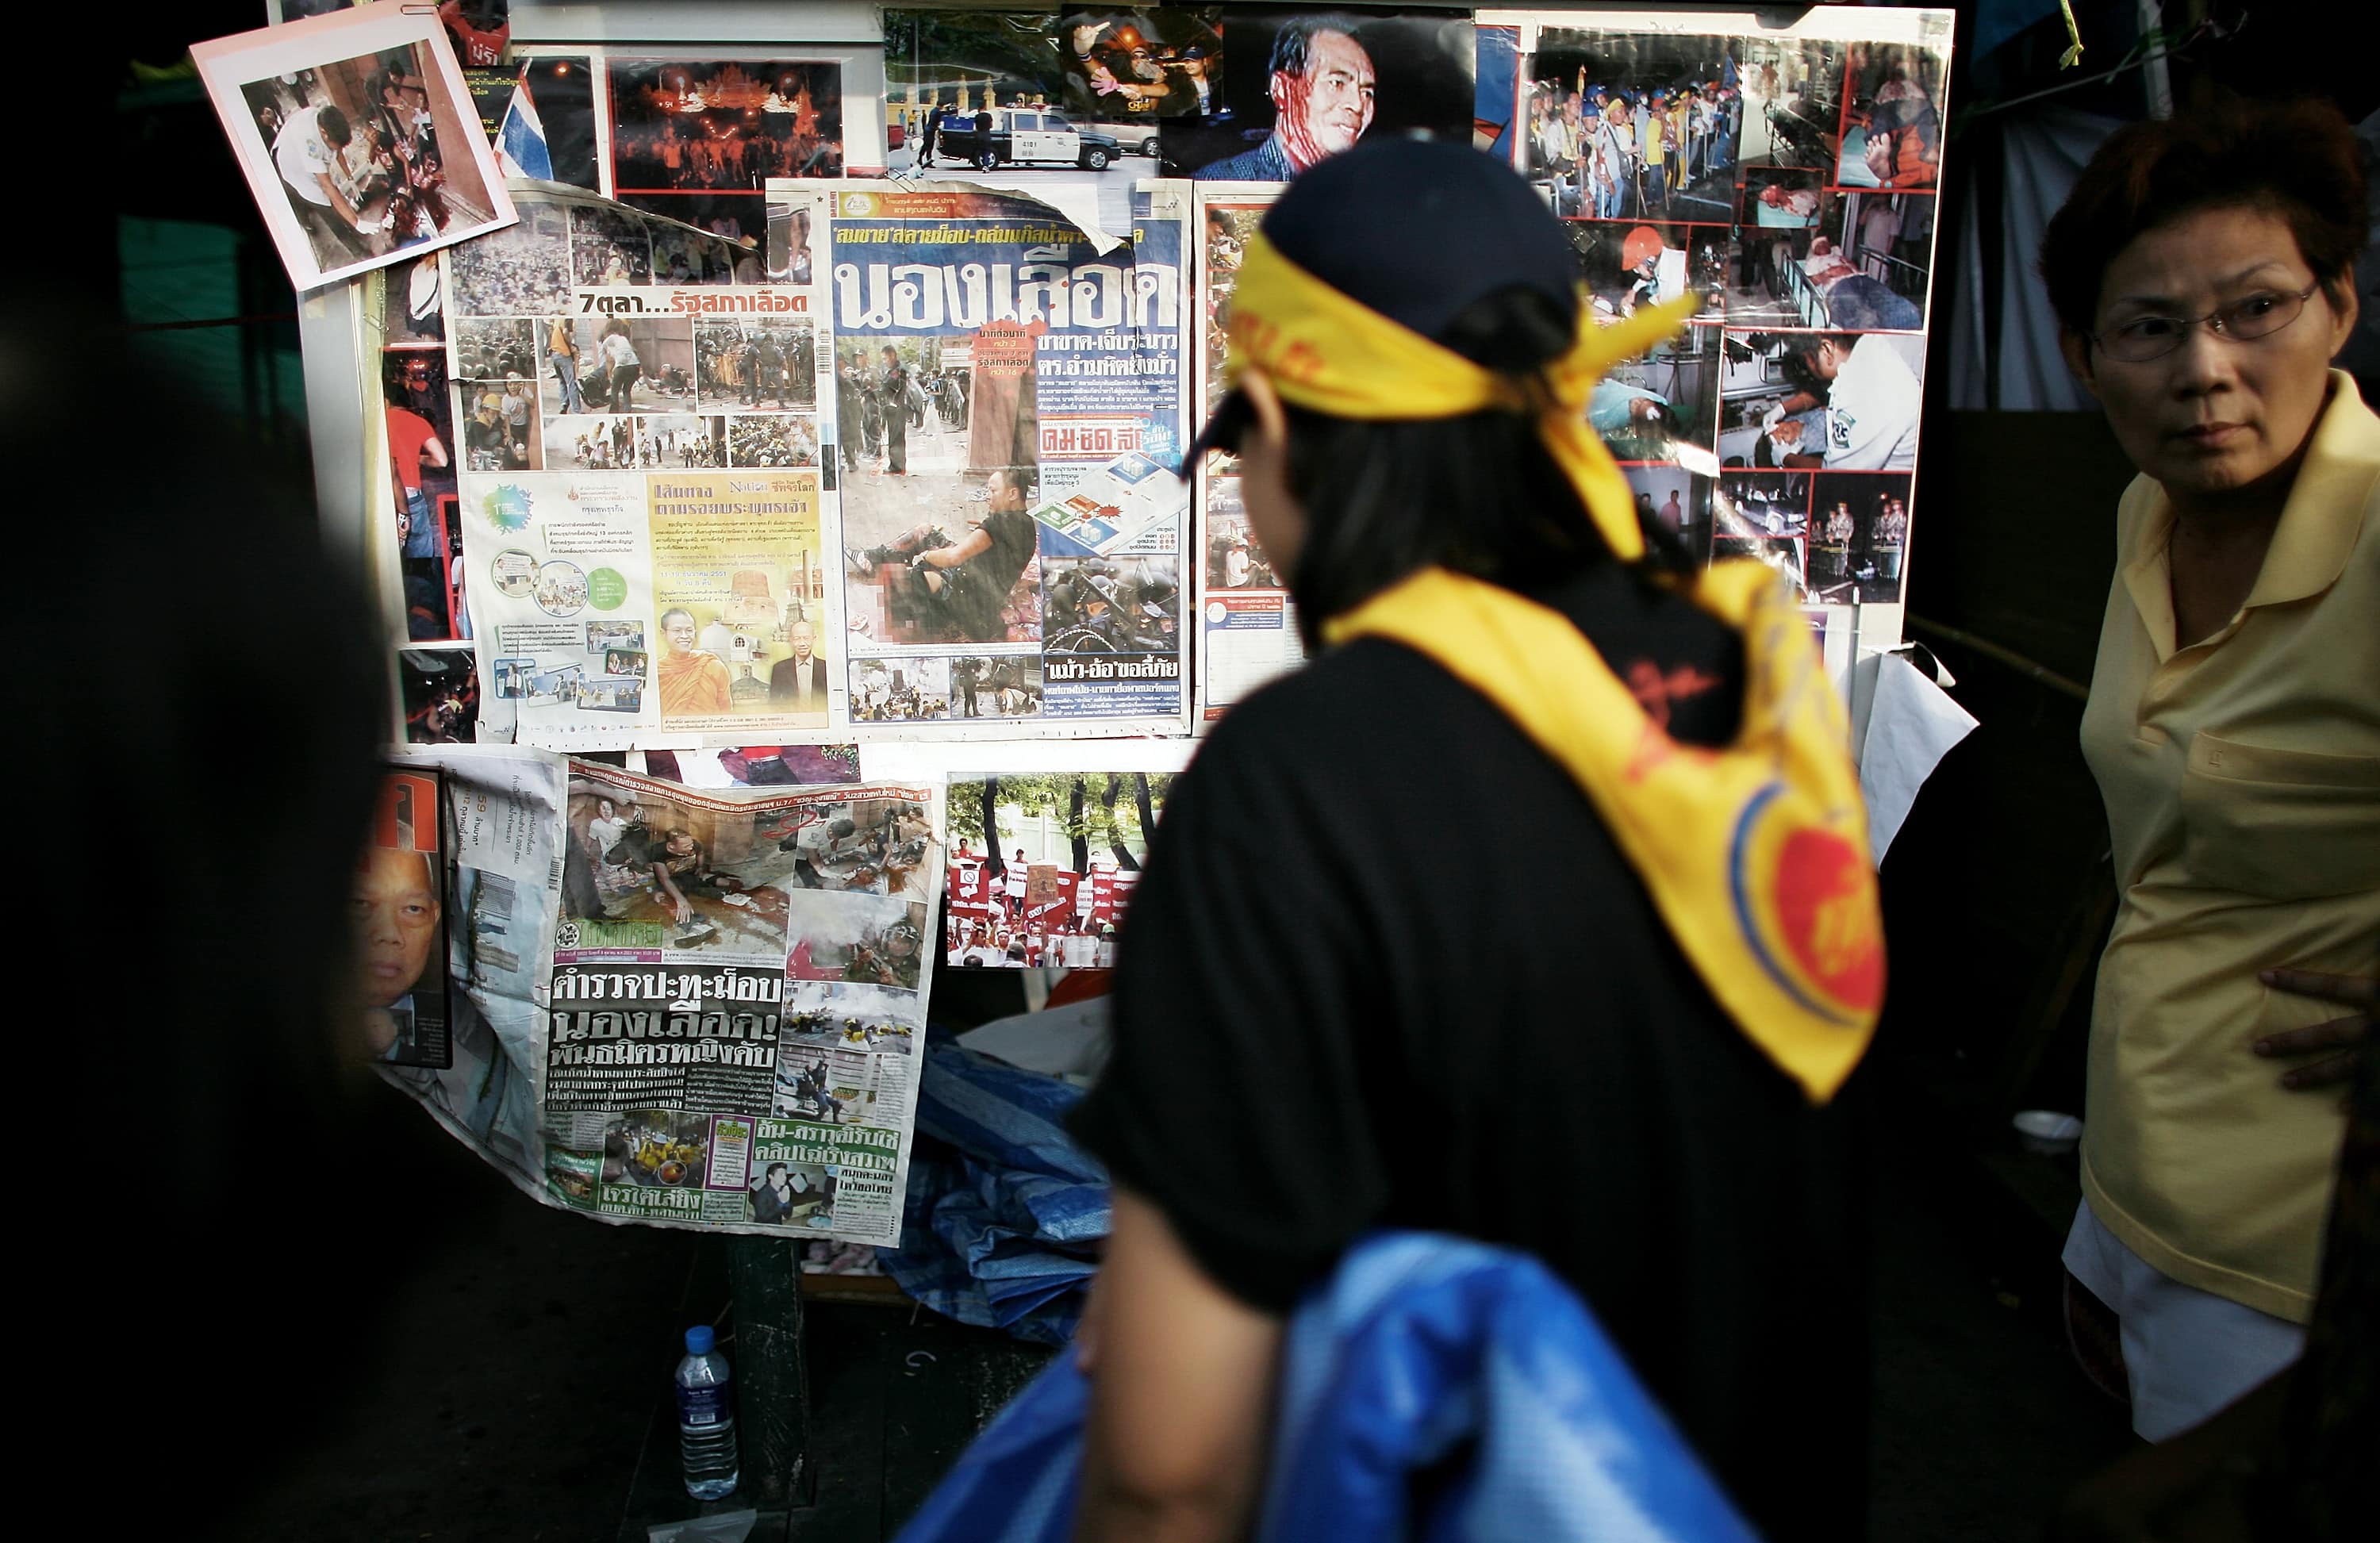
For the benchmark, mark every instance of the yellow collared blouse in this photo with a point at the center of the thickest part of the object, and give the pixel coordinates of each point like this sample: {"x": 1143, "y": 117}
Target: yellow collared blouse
{"x": 2242, "y": 776}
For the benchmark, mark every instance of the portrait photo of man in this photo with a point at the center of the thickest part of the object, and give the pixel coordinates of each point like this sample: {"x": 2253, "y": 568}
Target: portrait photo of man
{"x": 1299, "y": 87}
{"x": 398, "y": 914}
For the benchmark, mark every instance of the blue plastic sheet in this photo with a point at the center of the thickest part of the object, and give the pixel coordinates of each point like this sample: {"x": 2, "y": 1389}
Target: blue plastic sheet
{"x": 1005, "y": 1213}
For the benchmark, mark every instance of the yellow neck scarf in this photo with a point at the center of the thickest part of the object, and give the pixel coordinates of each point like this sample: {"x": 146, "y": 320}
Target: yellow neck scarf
{"x": 1755, "y": 854}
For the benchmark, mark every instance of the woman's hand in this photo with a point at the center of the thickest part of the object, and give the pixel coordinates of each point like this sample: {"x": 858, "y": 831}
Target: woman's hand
{"x": 2347, "y": 1036}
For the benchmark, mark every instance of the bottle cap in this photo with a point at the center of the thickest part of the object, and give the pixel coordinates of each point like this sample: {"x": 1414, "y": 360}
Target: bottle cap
{"x": 698, "y": 1340}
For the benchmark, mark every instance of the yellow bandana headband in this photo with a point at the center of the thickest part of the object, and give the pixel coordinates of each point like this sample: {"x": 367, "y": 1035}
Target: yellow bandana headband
{"x": 1330, "y": 353}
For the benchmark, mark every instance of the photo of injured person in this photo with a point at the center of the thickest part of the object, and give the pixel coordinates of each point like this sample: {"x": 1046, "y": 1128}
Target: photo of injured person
{"x": 1626, "y": 267}
{"x": 1892, "y": 131}
{"x": 1860, "y": 266}
{"x": 645, "y": 872}
{"x": 1645, "y": 409}
{"x": 860, "y": 940}
{"x": 1821, "y": 401}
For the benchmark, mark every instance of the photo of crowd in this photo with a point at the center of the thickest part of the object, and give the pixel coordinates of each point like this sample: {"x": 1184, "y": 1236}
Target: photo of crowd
{"x": 1892, "y": 129}
{"x": 1141, "y": 64}
{"x": 1623, "y": 126}
{"x": 685, "y": 127}
{"x": 522, "y": 270}
{"x": 1043, "y": 865}
{"x": 494, "y": 350}
{"x": 759, "y": 365}
{"x": 772, "y": 442}
{"x": 655, "y": 443}
{"x": 609, "y": 247}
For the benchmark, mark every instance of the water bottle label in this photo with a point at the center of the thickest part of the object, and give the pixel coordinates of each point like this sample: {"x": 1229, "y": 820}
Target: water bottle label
{"x": 702, "y": 1405}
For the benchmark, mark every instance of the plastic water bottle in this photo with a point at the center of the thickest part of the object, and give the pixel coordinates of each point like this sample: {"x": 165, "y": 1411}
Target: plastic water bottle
{"x": 706, "y": 1418}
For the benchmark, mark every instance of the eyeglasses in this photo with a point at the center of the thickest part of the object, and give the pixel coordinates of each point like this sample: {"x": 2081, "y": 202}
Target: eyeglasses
{"x": 2151, "y": 338}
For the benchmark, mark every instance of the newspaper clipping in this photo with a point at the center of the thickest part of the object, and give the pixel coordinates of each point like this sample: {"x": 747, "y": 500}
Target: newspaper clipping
{"x": 1009, "y": 402}
{"x": 1247, "y": 630}
{"x": 672, "y": 1004}
{"x": 641, "y": 491}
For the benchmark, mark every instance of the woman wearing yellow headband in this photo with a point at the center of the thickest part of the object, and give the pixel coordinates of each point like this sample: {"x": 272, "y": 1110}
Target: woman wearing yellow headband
{"x": 1537, "y": 908}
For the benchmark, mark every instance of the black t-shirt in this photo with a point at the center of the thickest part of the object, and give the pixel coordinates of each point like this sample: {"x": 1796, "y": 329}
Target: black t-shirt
{"x": 1387, "y": 967}
{"x": 975, "y": 605}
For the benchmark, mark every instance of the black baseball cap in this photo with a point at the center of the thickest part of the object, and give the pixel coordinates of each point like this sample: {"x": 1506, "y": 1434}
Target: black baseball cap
{"x": 1415, "y": 230}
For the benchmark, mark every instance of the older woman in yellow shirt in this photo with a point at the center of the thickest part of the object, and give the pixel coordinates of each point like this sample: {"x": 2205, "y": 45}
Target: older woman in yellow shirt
{"x": 2204, "y": 273}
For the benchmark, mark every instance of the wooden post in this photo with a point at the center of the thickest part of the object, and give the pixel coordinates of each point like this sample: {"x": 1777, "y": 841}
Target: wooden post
{"x": 771, "y": 1374}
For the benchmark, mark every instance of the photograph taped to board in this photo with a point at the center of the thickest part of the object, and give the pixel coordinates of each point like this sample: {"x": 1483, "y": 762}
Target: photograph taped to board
{"x": 358, "y": 139}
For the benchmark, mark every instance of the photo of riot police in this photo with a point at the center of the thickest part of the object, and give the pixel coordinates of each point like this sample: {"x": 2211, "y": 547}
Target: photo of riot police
{"x": 1792, "y": 102}
{"x": 1110, "y": 604}
{"x": 1301, "y": 85}
{"x": 1873, "y": 510}
{"x": 1632, "y": 126}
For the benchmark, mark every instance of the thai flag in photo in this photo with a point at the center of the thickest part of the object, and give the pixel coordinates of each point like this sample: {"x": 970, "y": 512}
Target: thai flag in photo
{"x": 520, "y": 139}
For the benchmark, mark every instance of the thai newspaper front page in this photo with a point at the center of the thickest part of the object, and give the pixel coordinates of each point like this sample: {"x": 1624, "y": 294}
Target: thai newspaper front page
{"x": 1009, "y": 401}
{"x": 641, "y": 496}
{"x": 678, "y": 1005}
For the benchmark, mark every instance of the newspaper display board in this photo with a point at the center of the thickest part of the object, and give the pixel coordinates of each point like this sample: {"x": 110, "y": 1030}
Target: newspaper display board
{"x": 640, "y": 492}
{"x": 1787, "y": 174}
{"x": 1247, "y": 626}
{"x": 675, "y": 1005}
{"x": 1010, "y": 401}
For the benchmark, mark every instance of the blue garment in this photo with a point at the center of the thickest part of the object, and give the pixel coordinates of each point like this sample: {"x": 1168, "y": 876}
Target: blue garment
{"x": 1421, "y": 1354}
{"x": 421, "y": 529}
{"x": 1858, "y": 303}
{"x": 1267, "y": 163}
